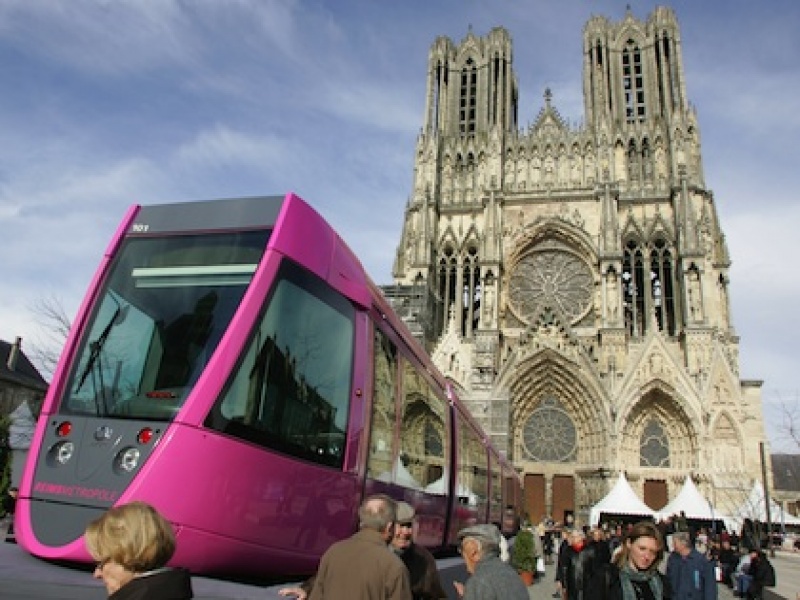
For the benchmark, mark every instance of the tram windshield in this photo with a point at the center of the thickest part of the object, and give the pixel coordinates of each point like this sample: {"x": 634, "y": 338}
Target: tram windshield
{"x": 160, "y": 315}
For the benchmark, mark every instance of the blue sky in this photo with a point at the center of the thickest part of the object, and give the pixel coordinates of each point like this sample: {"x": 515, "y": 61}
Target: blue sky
{"x": 106, "y": 103}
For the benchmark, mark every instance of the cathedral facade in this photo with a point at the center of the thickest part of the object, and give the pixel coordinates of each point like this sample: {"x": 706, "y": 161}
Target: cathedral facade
{"x": 573, "y": 281}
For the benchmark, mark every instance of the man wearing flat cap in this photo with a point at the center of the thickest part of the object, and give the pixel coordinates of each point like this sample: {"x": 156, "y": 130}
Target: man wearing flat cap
{"x": 422, "y": 570}
{"x": 361, "y": 567}
{"x": 491, "y": 578}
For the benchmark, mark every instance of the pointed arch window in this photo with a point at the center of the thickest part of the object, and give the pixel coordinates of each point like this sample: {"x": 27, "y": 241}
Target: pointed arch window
{"x": 468, "y": 98}
{"x": 448, "y": 271}
{"x": 633, "y": 82}
{"x": 654, "y": 446}
{"x": 439, "y": 90}
{"x": 633, "y": 299}
{"x": 634, "y": 168}
{"x": 460, "y": 289}
{"x": 647, "y": 165}
{"x": 663, "y": 289}
{"x": 498, "y": 71}
{"x": 648, "y": 286}
{"x": 471, "y": 300}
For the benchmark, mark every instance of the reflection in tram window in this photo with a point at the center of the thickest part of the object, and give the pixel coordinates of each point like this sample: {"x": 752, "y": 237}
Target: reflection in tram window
{"x": 157, "y": 322}
{"x": 472, "y": 484}
{"x": 496, "y": 503}
{"x": 422, "y": 434}
{"x": 291, "y": 390}
{"x": 384, "y": 413}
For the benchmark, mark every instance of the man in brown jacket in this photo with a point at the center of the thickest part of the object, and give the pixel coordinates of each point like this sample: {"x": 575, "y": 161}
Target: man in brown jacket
{"x": 362, "y": 567}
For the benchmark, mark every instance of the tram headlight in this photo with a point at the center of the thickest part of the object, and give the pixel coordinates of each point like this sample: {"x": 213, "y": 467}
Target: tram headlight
{"x": 61, "y": 453}
{"x": 127, "y": 460}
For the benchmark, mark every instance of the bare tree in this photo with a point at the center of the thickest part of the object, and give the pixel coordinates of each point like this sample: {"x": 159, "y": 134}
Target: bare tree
{"x": 54, "y": 326}
{"x": 790, "y": 410}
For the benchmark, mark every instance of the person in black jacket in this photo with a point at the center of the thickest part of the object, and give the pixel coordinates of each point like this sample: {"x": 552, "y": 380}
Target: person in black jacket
{"x": 132, "y": 544}
{"x": 421, "y": 565}
{"x": 728, "y": 561}
{"x": 9, "y": 506}
{"x": 562, "y": 552}
{"x": 634, "y": 573}
{"x": 602, "y": 550}
{"x": 579, "y": 565}
{"x": 761, "y": 572}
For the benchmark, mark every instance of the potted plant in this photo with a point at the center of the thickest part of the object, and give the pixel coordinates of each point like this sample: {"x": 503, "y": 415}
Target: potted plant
{"x": 523, "y": 557}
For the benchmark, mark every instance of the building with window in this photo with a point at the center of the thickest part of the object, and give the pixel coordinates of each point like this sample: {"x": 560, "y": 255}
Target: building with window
{"x": 22, "y": 390}
{"x": 573, "y": 281}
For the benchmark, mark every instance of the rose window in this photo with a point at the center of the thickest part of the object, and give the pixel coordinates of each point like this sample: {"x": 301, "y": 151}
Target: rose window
{"x": 549, "y": 434}
{"x": 553, "y": 278}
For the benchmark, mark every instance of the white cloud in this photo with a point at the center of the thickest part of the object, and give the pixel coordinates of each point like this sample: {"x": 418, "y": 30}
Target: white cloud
{"x": 761, "y": 240}
{"x": 223, "y": 146}
{"x": 106, "y": 37}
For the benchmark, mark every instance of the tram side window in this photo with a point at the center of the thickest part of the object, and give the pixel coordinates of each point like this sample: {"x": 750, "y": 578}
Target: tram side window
{"x": 384, "y": 412}
{"x": 423, "y": 437}
{"x": 510, "y": 487}
{"x": 291, "y": 389}
{"x": 472, "y": 484}
{"x": 496, "y": 503}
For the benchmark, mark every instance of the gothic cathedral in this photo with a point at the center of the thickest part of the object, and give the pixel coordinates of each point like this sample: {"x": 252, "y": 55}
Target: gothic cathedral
{"x": 572, "y": 281}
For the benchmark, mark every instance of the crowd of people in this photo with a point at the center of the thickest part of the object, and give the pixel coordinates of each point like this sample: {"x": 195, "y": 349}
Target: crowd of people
{"x": 737, "y": 558}
{"x": 133, "y": 543}
{"x": 654, "y": 561}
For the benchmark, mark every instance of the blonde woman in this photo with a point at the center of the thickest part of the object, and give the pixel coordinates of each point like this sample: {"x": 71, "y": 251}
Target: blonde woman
{"x": 633, "y": 574}
{"x": 131, "y": 545}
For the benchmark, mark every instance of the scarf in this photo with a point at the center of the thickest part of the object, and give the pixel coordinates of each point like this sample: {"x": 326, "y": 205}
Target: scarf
{"x": 627, "y": 575}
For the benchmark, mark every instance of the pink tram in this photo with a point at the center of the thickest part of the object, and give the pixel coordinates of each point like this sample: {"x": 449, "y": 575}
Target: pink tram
{"x": 233, "y": 365}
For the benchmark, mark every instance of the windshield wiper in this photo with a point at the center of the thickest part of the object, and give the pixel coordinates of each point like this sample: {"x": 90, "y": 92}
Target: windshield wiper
{"x": 96, "y": 347}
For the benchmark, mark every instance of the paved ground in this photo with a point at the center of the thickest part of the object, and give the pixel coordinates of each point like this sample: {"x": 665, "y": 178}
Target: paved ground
{"x": 23, "y": 577}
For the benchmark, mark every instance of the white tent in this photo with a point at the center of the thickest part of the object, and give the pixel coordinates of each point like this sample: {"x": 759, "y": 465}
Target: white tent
{"x": 754, "y": 508}
{"x": 438, "y": 487}
{"x": 402, "y": 476}
{"x": 621, "y": 500}
{"x": 691, "y": 502}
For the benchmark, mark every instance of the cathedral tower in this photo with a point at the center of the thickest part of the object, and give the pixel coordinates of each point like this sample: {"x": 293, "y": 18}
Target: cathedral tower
{"x": 573, "y": 281}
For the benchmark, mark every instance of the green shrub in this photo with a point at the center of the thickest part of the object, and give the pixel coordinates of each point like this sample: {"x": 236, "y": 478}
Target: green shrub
{"x": 522, "y": 552}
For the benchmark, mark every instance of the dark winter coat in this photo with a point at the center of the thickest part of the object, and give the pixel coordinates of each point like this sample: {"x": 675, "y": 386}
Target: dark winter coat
{"x": 759, "y": 571}
{"x": 424, "y": 575}
{"x": 166, "y": 584}
{"x": 606, "y": 585}
{"x": 579, "y": 568}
